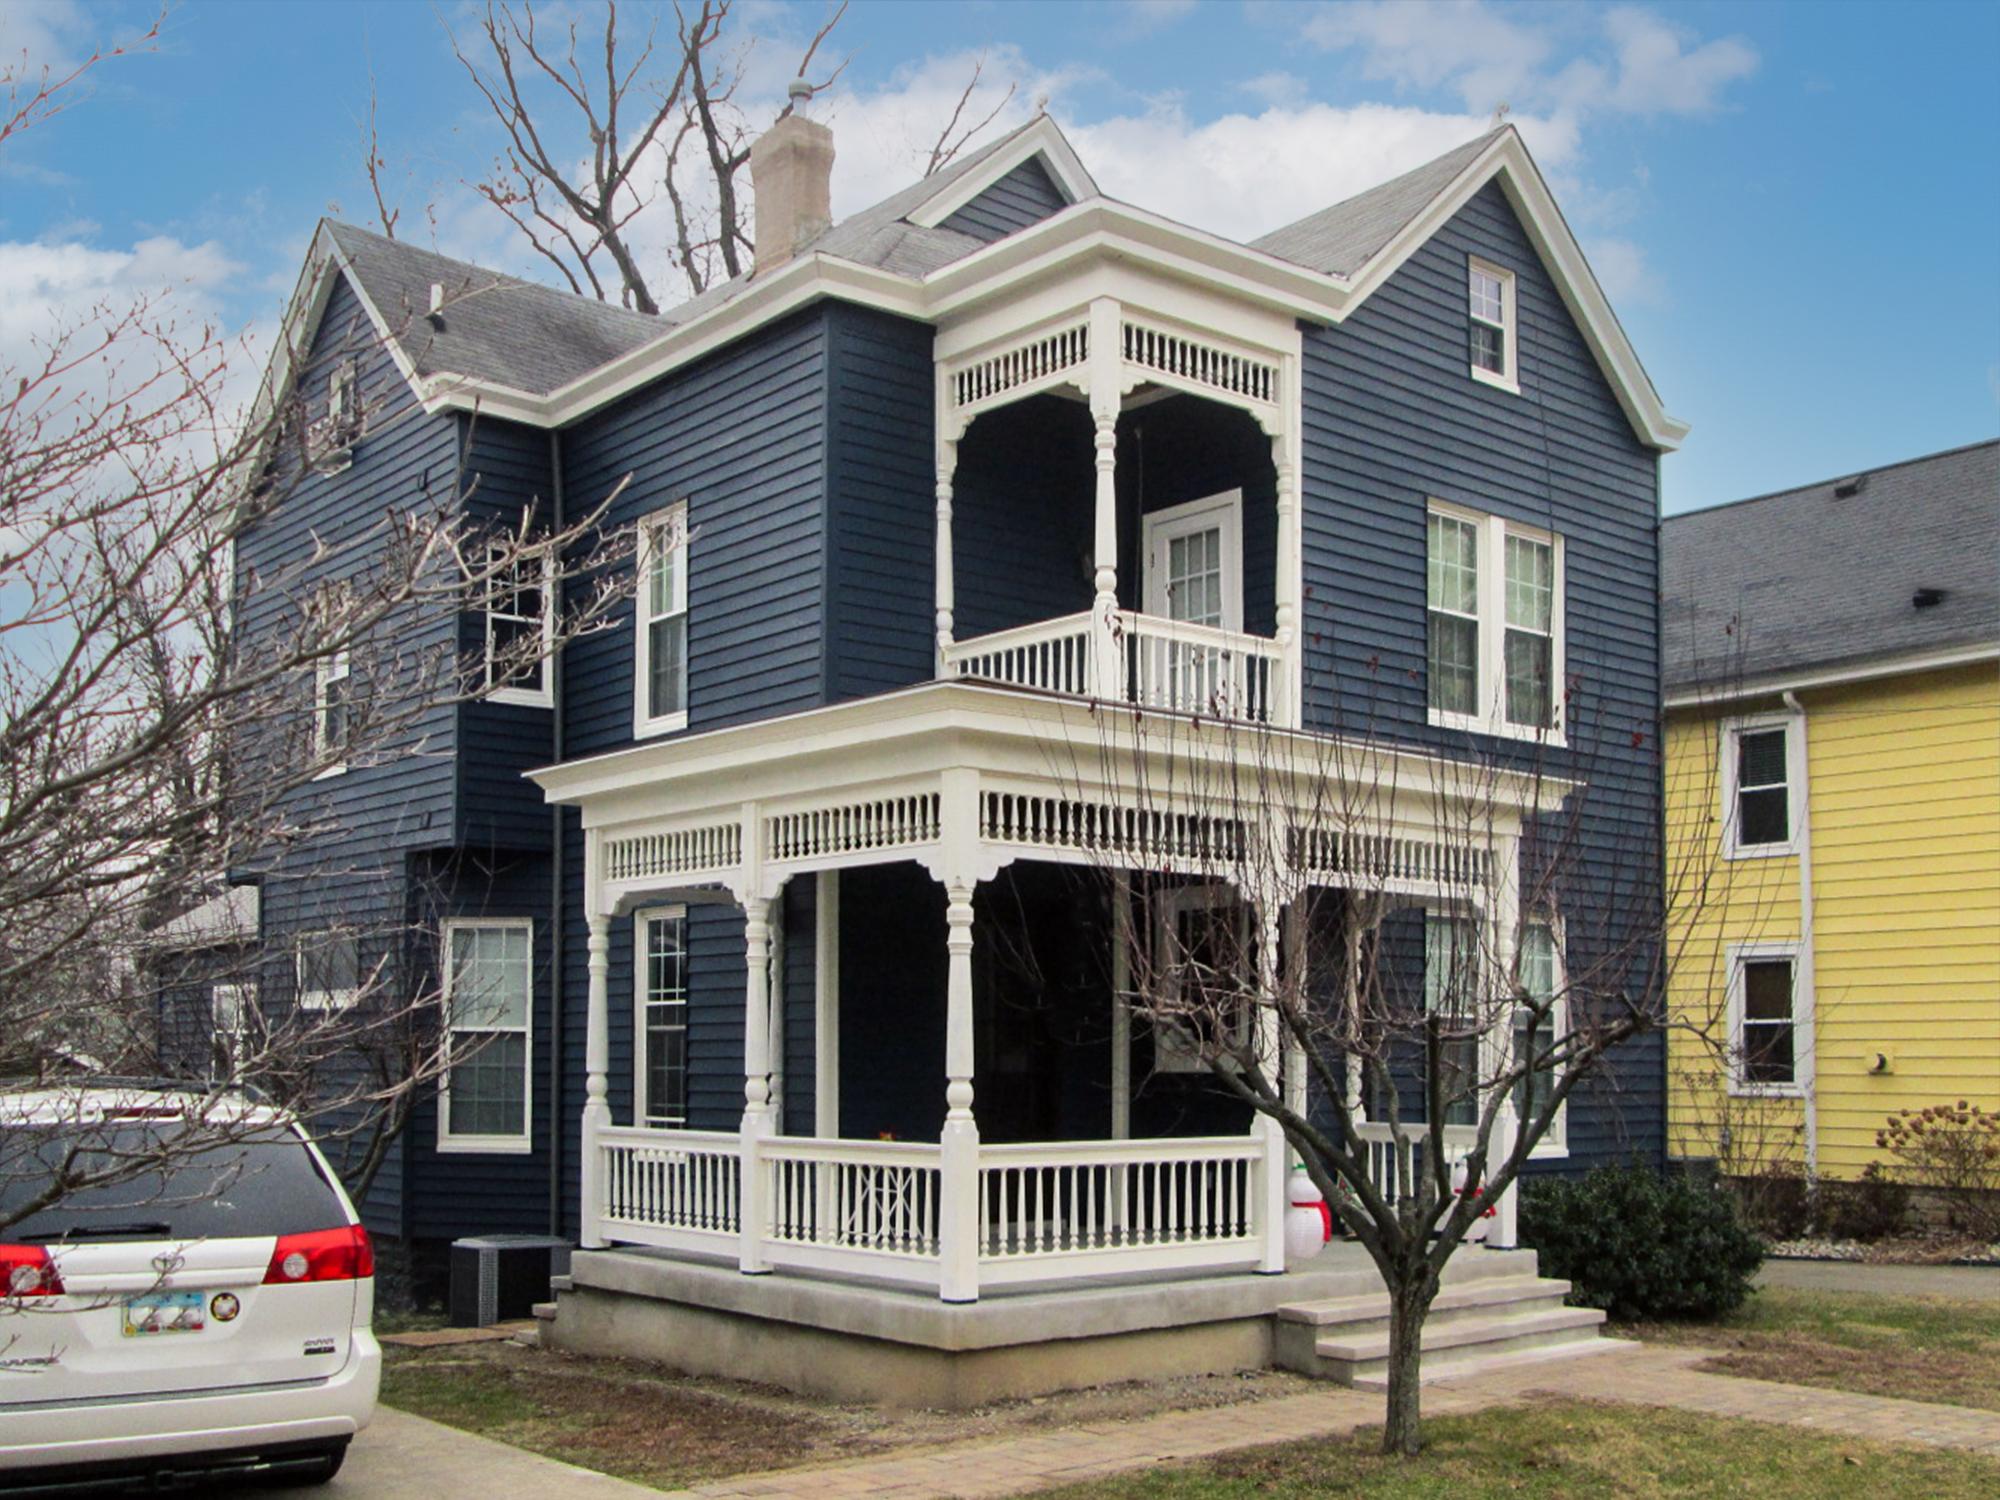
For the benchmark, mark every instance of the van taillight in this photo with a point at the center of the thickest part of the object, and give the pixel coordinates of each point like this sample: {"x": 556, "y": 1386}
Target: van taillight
{"x": 28, "y": 1271}
{"x": 342, "y": 1254}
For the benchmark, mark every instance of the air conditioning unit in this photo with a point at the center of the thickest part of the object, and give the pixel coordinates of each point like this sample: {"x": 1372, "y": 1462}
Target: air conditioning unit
{"x": 499, "y": 1277}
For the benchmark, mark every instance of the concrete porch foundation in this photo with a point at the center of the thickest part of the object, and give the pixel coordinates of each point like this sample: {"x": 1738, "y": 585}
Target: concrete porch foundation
{"x": 859, "y": 1341}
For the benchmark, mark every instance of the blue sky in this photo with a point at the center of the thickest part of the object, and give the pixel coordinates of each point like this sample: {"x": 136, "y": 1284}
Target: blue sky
{"x": 1794, "y": 207}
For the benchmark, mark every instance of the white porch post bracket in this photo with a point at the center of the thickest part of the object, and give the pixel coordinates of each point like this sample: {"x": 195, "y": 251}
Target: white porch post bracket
{"x": 596, "y": 1064}
{"x": 1503, "y": 916}
{"x": 1106, "y": 396}
{"x": 947, "y": 466}
{"x": 958, "y": 1147}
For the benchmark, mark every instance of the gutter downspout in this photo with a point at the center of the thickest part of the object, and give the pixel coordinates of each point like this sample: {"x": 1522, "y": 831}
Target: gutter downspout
{"x": 556, "y": 913}
{"x": 1804, "y": 1005}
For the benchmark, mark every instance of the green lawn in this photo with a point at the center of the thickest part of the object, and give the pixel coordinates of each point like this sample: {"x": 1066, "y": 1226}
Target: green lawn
{"x": 1918, "y": 1348}
{"x": 1574, "y": 1449}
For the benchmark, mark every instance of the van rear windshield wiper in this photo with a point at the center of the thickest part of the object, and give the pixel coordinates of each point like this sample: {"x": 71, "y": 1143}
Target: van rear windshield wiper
{"x": 147, "y": 1230}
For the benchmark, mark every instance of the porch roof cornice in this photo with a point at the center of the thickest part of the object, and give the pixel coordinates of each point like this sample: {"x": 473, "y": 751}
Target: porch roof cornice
{"x": 937, "y": 726}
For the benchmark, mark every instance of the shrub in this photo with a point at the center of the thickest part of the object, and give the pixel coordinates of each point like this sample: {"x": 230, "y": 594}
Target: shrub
{"x": 1776, "y": 1202}
{"x": 1640, "y": 1245}
{"x": 1872, "y": 1207}
{"x": 1953, "y": 1149}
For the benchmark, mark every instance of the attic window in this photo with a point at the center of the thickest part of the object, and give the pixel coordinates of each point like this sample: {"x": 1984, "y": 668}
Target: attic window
{"x": 1491, "y": 321}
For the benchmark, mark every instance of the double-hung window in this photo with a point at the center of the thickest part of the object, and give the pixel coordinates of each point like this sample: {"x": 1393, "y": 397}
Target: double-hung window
{"x": 1538, "y": 1027}
{"x": 488, "y": 983}
{"x": 1452, "y": 984}
{"x": 331, "y": 718}
{"x": 1759, "y": 772}
{"x": 661, "y": 1077}
{"x": 1494, "y": 624}
{"x": 1490, "y": 322}
{"x": 662, "y": 619}
{"x": 1764, "y": 1021}
{"x": 520, "y": 625}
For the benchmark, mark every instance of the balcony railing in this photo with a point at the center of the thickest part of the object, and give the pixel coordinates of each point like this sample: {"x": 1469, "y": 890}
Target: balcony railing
{"x": 1134, "y": 658}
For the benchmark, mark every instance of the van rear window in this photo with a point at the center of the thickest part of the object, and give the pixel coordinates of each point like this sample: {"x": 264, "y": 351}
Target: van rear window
{"x": 153, "y": 1182}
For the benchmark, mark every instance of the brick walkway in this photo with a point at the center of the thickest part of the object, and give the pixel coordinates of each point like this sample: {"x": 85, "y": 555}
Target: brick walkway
{"x": 1651, "y": 1377}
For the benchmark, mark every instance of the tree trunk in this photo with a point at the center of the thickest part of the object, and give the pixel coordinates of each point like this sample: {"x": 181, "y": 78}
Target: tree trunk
{"x": 1409, "y": 1306}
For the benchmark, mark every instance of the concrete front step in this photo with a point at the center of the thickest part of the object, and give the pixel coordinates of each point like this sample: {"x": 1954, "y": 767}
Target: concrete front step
{"x": 544, "y": 1311}
{"x": 1484, "y": 1320}
{"x": 1463, "y": 1364}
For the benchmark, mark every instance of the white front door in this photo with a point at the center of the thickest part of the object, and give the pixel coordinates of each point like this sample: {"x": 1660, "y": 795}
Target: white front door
{"x": 1194, "y": 561}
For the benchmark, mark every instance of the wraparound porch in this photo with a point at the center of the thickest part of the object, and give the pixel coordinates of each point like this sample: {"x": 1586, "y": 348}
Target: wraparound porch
{"x": 966, "y": 781}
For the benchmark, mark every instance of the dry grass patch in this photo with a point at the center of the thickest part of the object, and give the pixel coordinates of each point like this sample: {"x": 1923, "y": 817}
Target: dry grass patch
{"x": 644, "y": 1423}
{"x": 1914, "y": 1348}
{"x": 1572, "y": 1449}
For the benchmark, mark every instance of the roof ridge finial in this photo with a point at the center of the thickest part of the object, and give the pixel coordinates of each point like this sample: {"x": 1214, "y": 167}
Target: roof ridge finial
{"x": 1499, "y": 115}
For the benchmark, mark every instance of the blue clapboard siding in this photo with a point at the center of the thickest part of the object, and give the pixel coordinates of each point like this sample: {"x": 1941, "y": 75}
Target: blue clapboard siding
{"x": 1022, "y": 503}
{"x": 881, "y": 556}
{"x": 741, "y": 436}
{"x": 506, "y": 475}
{"x": 1027, "y": 195}
{"x": 1392, "y": 417}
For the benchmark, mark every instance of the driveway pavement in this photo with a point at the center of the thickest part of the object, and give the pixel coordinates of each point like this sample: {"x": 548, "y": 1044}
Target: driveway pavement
{"x": 1972, "y": 1283}
{"x": 401, "y": 1457}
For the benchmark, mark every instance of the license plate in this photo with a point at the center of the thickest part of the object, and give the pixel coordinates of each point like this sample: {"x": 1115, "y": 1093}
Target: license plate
{"x": 166, "y": 1312}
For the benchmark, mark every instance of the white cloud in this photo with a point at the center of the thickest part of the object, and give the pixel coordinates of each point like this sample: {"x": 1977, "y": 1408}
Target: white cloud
{"x": 39, "y": 34}
{"x": 1625, "y": 60}
{"x": 1150, "y": 15}
{"x": 1275, "y": 88}
{"x": 1622, "y": 270}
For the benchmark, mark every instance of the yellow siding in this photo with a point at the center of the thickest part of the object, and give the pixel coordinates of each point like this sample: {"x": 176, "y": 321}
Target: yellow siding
{"x": 1904, "y": 785}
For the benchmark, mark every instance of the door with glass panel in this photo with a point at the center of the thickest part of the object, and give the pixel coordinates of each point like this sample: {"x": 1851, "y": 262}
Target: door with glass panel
{"x": 1193, "y": 576}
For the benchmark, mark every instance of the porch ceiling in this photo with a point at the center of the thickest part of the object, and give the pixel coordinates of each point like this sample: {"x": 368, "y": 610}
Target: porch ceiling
{"x": 965, "y": 778}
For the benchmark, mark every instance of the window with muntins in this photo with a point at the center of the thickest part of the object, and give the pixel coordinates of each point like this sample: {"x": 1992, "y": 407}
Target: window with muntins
{"x": 1490, "y": 323}
{"x": 328, "y": 969}
{"x": 520, "y": 627}
{"x": 1767, "y": 1025}
{"x": 1538, "y": 1026}
{"x": 1763, "y": 812}
{"x": 1494, "y": 647}
{"x": 662, "y": 1072}
{"x": 488, "y": 983}
{"x": 1451, "y": 978}
{"x": 662, "y": 623}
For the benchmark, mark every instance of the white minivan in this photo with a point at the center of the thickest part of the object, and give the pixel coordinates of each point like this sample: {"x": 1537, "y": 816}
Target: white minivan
{"x": 205, "y": 1315}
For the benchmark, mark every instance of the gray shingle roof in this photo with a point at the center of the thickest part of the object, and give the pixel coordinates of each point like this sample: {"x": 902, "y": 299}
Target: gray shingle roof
{"x": 1809, "y": 578}
{"x": 1340, "y": 240}
{"x": 496, "y": 327}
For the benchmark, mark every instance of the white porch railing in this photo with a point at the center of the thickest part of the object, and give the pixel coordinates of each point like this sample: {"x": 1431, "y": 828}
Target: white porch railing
{"x": 1143, "y": 659}
{"x": 1106, "y": 1207}
{"x": 877, "y": 1208}
{"x": 1393, "y": 1165}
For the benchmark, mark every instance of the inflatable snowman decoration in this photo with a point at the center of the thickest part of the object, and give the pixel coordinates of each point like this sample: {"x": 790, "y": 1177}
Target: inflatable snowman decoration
{"x": 1308, "y": 1219}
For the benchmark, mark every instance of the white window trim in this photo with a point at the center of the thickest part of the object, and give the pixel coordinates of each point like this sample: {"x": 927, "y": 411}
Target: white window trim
{"x": 487, "y": 1145}
{"x": 1795, "y": 780}
{"x": 322, "y": 1000}
{"x": 674, "y": 520}
{"x": 1161, "y": 526}
{"x": 543, "y": 695}
{"x": 1492, "y": 564}
{"x": 1555, "y": 1145}
{"x": 236, "y": 1039}
{"x": 327, "y": 671}
{"x": 641, "y": 920}
{"x": 1172, "y": 1054}
{"x": 1739, "y": 954}
{"x": 1510, "y": 343}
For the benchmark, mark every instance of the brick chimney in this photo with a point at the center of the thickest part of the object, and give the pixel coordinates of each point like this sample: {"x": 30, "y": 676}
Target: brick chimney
{"x": 791, "y": 176}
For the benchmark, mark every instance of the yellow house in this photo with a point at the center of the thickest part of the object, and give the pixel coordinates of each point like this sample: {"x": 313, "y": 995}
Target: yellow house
{"x": 1833, "y": 807}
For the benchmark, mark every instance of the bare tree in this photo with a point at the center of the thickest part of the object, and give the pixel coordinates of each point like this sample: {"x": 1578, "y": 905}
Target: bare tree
{"x": 166, "y": 714}
{"x": 1412, "y": 1061}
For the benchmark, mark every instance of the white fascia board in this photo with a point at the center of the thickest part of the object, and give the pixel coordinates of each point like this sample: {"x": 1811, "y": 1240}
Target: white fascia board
{"x": 937, "y": 725}
{"x": 1773, "y": 683}
{"x": 1040, "y": 138}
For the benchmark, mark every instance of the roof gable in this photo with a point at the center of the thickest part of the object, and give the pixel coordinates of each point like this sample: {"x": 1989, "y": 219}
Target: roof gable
{"x": 1024, "y": 196}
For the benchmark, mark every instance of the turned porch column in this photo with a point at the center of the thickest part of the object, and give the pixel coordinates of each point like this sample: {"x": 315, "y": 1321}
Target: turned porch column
{"x": 947, "y": 465}
{"x": 596, "y": 1088}
{"x": 1287, "y": 587}
{"x": 1107, "y": 667}
{"x": 756, "y": 1077}
{"x": 958, "y": 1145}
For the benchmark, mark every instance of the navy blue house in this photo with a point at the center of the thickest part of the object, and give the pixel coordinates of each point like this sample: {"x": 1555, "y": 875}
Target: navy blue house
{"x": 986, "y": 541}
